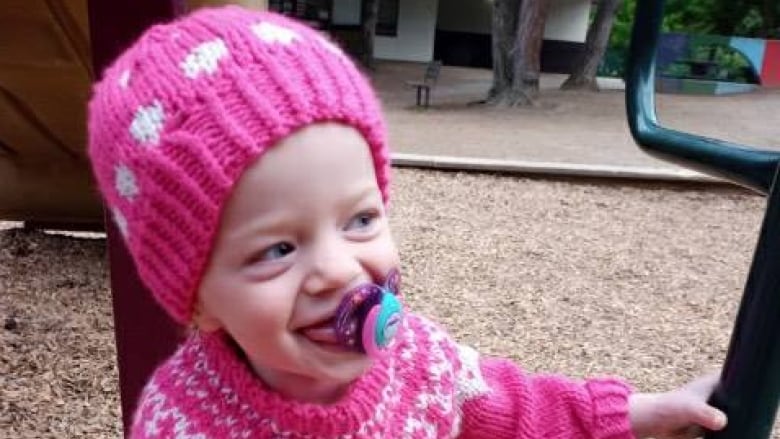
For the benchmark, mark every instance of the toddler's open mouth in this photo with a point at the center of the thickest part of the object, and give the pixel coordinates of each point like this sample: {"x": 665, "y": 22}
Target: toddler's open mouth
{"x": 365, "y": 321}
{"x": 324, "y": 333}
{"x": 321, "y": 332}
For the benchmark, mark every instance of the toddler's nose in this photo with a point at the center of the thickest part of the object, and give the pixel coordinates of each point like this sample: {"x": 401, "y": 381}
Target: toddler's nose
{"x": 333, "y": 267}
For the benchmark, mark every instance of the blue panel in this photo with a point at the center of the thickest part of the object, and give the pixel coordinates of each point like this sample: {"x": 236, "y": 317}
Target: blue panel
{"x": 753, "y": 49}
{"x": 727, "y": 88}
{"x": 671, "y": 47}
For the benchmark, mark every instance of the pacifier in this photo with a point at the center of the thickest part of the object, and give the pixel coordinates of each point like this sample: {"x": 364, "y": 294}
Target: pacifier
{"x": 369, "y": 315}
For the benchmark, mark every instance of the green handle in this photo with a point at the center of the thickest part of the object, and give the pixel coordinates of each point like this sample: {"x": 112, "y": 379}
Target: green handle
{"x": 750, "y": 379}
{"x": 745, "y": 166}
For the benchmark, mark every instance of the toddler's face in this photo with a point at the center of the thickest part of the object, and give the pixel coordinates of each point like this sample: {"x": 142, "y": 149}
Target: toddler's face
{"x": 304, "y": 224}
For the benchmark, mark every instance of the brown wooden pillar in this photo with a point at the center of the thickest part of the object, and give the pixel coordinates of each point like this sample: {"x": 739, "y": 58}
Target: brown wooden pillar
{"x": 145, "y": 335}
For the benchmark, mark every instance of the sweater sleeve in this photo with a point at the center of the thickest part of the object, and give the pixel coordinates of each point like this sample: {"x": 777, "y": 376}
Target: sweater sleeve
{"x": 524, "y": 406}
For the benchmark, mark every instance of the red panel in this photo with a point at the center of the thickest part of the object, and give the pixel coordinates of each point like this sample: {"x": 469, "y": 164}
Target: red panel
{"x": 770, "y": 72}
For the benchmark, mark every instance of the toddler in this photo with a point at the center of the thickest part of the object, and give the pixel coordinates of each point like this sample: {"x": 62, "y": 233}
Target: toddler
{"x": 244, "y": 159}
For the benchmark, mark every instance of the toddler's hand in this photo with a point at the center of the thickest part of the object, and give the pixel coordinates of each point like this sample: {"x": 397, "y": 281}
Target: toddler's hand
{"x": 679, "y": 414}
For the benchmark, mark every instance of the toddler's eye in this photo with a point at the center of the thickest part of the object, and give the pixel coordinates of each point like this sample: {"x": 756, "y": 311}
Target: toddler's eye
{"x": 276, "y": 251}
{"x": 362, "y": 221}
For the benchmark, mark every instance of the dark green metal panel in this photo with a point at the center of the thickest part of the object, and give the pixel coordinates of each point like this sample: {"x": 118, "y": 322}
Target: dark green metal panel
{"x": 750, "y": 379}
{"x": 705, "y": 41}
{"x": 698, "y": 87}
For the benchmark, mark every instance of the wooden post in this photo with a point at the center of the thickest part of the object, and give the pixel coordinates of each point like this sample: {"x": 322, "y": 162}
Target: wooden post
{"x": 145, "y": 335}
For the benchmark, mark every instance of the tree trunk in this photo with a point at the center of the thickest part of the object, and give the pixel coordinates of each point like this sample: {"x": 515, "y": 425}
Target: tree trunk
{"x": 525, "y": 56}
{"x": 369, "y": 19}
{"x": 583, "y": 76}
{"x": 504, "y": 29}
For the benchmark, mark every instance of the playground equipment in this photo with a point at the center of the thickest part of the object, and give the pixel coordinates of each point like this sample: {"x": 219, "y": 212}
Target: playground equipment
{"x": 750, "y": 378}
{"x": 715, "y": 64}
{"x": 44, "y": 80}
{"x": 46, "y": 71}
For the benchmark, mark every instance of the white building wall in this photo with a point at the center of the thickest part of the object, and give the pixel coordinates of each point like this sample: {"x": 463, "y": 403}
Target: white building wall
{"x": 567, "y": 19}
{"x": 416, "y": 30}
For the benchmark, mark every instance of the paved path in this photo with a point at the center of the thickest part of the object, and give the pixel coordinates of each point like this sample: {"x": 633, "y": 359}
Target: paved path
{"x": 566, "y": 130}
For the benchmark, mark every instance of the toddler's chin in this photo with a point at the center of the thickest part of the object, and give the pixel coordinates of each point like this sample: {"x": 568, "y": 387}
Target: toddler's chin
{"x": 349, "y": 371}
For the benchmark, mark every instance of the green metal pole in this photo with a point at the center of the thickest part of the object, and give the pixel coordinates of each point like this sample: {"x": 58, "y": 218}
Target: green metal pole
{"x": 750, "y": 379}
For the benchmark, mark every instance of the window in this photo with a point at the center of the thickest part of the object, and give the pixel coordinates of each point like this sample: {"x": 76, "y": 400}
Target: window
{"x": 340, "y": 14}
{"x": 346, "y": 12}
{"x": 387, "y": 24}
{"x": 314, "y": 12}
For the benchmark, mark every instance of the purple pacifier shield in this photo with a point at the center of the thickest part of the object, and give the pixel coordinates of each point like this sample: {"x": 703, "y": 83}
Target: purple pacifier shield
{"x": 352, "y": 313}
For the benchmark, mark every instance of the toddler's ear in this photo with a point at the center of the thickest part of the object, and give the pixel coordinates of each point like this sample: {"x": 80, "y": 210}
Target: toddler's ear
{"x": 203, "y": 319}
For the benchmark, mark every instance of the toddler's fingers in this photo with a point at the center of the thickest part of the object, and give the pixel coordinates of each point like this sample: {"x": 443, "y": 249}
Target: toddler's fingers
{"x": 710, "y": 418}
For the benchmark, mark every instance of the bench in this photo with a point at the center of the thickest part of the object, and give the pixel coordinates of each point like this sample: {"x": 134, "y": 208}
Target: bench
{"x": 429, "y": 80}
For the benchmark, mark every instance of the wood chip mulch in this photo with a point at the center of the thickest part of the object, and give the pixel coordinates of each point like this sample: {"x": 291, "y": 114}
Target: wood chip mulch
{"x": 582, "y": 278}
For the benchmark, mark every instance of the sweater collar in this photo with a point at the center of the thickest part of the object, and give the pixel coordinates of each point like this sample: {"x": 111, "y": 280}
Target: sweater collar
{"x": 365, "y": 400}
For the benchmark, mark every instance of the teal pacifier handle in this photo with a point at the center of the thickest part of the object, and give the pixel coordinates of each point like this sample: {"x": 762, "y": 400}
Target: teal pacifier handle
{"x": 389, "y": 318}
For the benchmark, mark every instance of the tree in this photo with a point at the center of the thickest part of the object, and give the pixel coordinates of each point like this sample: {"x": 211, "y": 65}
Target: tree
{"x": 369, "y": 20}
{"x": 583, "y": 76}
{"x": 750, "y": 18}
{"x": 745, "y": 18}
{"x": 503, "y": 32}
{"x": 770, "y": 12}
{"x": 518, "y": 31}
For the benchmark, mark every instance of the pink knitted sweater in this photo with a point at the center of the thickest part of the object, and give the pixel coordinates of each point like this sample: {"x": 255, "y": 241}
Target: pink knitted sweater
{"x": 427, "y": 386}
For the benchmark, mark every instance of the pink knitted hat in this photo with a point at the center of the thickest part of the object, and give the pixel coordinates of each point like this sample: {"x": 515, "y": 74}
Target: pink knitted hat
{"x": 178, "y": 117}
